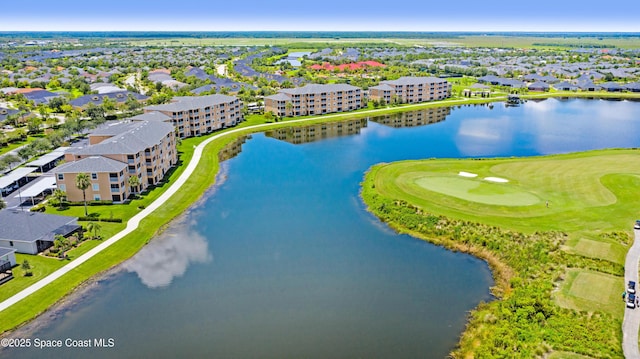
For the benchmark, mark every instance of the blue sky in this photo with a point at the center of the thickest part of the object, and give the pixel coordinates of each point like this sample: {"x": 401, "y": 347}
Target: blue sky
{"x": 251, "y": 15}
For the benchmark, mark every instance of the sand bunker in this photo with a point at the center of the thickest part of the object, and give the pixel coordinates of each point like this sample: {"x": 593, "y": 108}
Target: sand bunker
{"x": 467, "y": 174}
{"x": 496, "y": 179}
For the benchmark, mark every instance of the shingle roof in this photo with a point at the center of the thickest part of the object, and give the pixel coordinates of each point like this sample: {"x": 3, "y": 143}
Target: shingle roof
{"x": 32, "y": 226}
{"x": 91, "y": 164}
{"x": 187, "y": 103}
{"x": 317, "y": 88}
{"x": 151, "y": 116}
{"x": 381, "y": 87}
{"x": 278, "y": 97}
{"x": 414, "y": 80}
{"x": 136, "y": 137}
{"x": 120, "y": 96}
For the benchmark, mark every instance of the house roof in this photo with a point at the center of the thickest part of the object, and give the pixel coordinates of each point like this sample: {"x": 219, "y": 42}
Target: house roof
{"x": 539, "y": 84}
{"x": 119, "y": 96}
{"x": 5, "y": 251}
{"x": 91, "y": 164}
{"x": 187, "y": 103}
{"x": 32, "y": 226}
{"x": 565, "y": 84}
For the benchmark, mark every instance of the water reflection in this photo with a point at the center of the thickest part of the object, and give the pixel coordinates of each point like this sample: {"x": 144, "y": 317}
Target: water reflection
{"x": 306, "y": 134}
{"x": 413, "y": 118}
{"x": 232, "y": 149}
{"x": 168, "y": 256}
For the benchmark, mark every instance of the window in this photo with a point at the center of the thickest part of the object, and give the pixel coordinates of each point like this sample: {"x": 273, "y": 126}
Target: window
{"x": 61, "y": 176}
{"x": 94, "y": 176}
{"x": 11, "y": 243}
{"x": 96, "y": 187}
{"x": 96, "y": 197}
{"x": 62, "y": 187}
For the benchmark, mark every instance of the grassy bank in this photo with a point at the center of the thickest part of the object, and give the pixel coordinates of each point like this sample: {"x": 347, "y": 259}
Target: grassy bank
{"x": 555, "y": 295}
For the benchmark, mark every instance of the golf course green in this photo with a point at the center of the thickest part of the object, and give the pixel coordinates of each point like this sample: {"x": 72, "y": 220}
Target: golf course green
{"x": 594, "y": 190}
{"x": 554, "y": 229}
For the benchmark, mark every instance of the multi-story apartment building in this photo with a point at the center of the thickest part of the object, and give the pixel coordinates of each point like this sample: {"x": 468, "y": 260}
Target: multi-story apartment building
{"x": 411, "y": 90}
{"x": 146, "y": 149}
{"x": 314, "y": 100}
{"x": 194, "y": 116}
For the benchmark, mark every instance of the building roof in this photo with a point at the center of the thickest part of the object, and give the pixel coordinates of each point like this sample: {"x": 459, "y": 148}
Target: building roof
{"x": 539, "y": 85}
{"x": 381, "y": 87}
{"x": 91, "y": 164}
{"x": 565, "y": 85}
{"x": 132, "y": 137}
{"x": 4, "y": 112}
{"x": 278, "y": 97}
{"x": 15, "y": 175}
{"x": 187, "y": 103}
{"x": 42, "y": 184}
{"x": 317, "y": 88}
{"x": 119, "y": 96}
{"x": 411, "y": 80}
{"x": 32, "y": 226}
{"x": 5, "y": 251}
{"x": 151, "y": 116}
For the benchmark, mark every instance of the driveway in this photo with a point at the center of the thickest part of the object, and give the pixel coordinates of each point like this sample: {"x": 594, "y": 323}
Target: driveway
{"x": 631, "y": 322}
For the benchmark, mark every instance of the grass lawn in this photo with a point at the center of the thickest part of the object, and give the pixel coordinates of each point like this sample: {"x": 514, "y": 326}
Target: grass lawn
{"x": 591, "y": 291}
{"x": 589, "y": 191}
{"x": 12, "y": 146}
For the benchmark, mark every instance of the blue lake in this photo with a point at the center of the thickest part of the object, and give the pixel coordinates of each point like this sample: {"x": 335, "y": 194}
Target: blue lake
{"x": 281, "y": 258}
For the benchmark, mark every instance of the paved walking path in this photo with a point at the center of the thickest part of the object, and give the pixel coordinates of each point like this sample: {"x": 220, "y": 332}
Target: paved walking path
{"x": 133, "y": 223}
{"x": 631, "y": 322}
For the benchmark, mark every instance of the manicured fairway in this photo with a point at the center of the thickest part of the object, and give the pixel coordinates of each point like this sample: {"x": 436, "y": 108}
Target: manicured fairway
{"x": 596, "y": 190}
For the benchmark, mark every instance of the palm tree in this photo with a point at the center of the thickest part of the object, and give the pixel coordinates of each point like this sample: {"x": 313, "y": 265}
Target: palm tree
{"x": 94, "y": 227}
{"x": 83, "y": 182}
{"x": 134, "y": 182}
{"x": 58, "y": 197}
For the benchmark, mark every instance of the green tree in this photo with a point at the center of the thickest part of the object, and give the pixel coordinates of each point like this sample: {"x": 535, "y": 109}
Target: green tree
{"x": 94, "y": 227}
{"x": 58, "y": 197}
{"x": 82, "y": 183}
{"x": 134, "y": 182}
{"x": 27, "y": 268}
{"x": 3, "y": 204}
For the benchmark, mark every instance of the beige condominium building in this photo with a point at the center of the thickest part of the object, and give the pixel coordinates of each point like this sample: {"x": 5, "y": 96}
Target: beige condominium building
{"x": 135, "y": 147}
{"x": 314, "y": 100}
{"x": 194, "y": 116}
{"x": 411, "y": 90}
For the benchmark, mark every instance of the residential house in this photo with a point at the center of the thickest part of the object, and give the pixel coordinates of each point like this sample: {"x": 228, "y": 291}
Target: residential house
{"x": 538, "y": 86}
{"x": 411, "y": 89}
{"x": 314, "y": 99}
{"x": 195, "y": 116}
{"x": 33, "y": 232}
{"x": 138, "y": 147}
{"x": 119, "y": 97}
{"x": 7, "y": 261}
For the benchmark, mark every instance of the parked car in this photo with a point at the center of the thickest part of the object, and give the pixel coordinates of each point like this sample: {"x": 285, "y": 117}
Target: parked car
{"x": 631, "y": 287}
{"x": 631, "y": 301}
{"x": 637, "y": 225}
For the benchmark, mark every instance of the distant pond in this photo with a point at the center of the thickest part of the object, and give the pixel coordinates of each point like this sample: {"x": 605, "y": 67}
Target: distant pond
{"x": 281, "y": 259}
